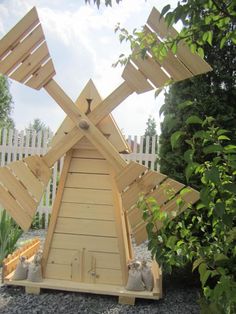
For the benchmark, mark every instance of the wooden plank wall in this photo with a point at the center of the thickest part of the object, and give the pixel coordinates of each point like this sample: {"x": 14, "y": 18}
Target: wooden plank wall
{"x": 14, "y": 145}
{"x": 85, "y": 231}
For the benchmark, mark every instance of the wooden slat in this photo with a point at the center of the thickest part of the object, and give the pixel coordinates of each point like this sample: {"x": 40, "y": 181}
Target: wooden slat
{"x": 42, "y": 76}
{"x": 76, "y": 263}
{"x": 88, "y": 154}
{"x": 87, "y": 196}
{"x": 151, "y": 69}
{"x": 18, "y": 31}
{"x": 171, "y": 63}
{"x": 142, "y": 186}
{"x": 31, "y": 64}
{"x": 77, "y": 242}
{"x": 18, "y": 191}
{"x": 22, "y": 218}
{"x": 135, "y": 216}
{"x": 55, "y": 209}
{"x": 192, "y": 61}
{"x": 140, "y": 233}
{"x": 87, "y": 211}
{"x": 136, "y": 80}
{"x": 129, "y": 174}
{"x": 157, "y": 274}
{"x": 26, "y": 176}
{"x": 88, "y": 181}
{"x": 99, "y": 113}
{"x": 22, "y": 50}
{"x": 86, "y": 227}
{"x": 39, "y": 168}
{"x": 103, "y": 260}
{"x": 89, "y": 166}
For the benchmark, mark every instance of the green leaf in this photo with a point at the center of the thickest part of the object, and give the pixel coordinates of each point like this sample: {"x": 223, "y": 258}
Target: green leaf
{"x": 220, "y": 257}
{"x": 200, "y": 52}
{"x": 204, "y": 273}
{"x": 184, "y": 104}
{"x": 165, "y": 10}
{"x": 231, "y": 187}
{"x": 213, "y": 175}
{"x": 194, "y": 120}
{"x": 209, "y": 38}
{"x": 171, "y": 242}
{"x": 222, "y": 42}
{"x": 215, "y": 148}
{"x": 219, "y": 210}
{"x": 175, "y": 137}
{"x": 197, "y": 262}
{"x": 188, "y": 155}
{"x": 189, "y": 170}
{"x": 223, "y": 137}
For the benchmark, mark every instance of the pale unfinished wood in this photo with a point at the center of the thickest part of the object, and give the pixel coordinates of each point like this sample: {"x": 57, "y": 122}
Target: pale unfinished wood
{"x": 9, "y": 41}
{"x": 31, "y": 63}
{"x": 92, "y": 133}
{"x": 87, "y": 211}
{"x": 88, "y": 154}
{"x": 68, "y": 285}
{"x": 101, "y": 111}
{"x": 88, "y": 181}
{"x": 21, "y": 51}
{"x": 136, "y": 80}
{"x": 76, "y": 269}
{"x": 27, "y": 250}
{"x": 32, "y": 290}
{"x": 150, "y": 69}
{"x": 92, "y": 166}
{"x": 86, "y": 227}
{"x": 55, "y": 209}
{"x": 141, "y": 186}
{"x": 32, "y": 184}
{"x": 139, "y": 233}
{"x": 18, "y": 191}
{"x": 157, "y": 274}
{"x": 103, "y": 259}
{"x": 42, "y": 76}
{"x": 192, "y": 61}
{"x": 126, "y": 300}
{"x": 87, "y": 196}
{"x": 39, "y": 168}
{"x": 121, "y": 231}
{"x": 22, "y": 218}
{"x": 77, "y": 242}
{"x": 129, "y": 174}
{"x": 107, "y": 126}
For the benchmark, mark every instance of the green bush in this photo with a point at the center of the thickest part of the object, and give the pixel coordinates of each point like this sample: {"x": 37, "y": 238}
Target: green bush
{"x": 204, "y": 235}
{"x": 9, "y": 234}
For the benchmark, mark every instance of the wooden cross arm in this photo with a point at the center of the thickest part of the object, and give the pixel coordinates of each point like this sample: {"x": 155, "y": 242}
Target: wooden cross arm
{"x": 92, "y": 132}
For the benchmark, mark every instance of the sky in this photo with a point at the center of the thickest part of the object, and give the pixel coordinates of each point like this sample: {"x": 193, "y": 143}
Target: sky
{"x": 83, "y": 46}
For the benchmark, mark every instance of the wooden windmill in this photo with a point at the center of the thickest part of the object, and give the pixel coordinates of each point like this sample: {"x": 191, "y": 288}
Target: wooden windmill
{"x": 88, "y": 242}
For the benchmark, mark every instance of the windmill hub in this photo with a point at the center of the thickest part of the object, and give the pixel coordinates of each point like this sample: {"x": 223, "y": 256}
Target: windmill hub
{"x": 83, "y": 124}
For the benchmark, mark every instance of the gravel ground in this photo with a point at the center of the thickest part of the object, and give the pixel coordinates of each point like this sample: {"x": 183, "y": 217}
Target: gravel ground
{"x": 180, "y": 296}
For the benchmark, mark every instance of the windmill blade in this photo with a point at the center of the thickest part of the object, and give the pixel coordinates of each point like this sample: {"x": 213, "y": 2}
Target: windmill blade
{"x": 24, "y": 54}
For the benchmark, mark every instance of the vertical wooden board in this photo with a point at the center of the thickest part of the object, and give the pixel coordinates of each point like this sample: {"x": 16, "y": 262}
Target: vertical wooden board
{"x": 31, "y": 63}
{"x": 15, "y": 210}
{"x": 22, "y": 50}
{"x": 18, "y": 191}
{"x": 86, "y": 227}
{"x": 88, "y": 166}
{"x": 76, "y": 266}
{"x": 77, "y": 242}
{"x": 140, "y": 233}
{"x": 42, "y": 76}
{"x": 87, "y": 196}
{"x": 88, "y": 181}
{"x": 135, "y": 216}
{"x": 136, "y": 80}
{"x": 33, "y": 185}
{"x": 39, "y": 168}
{"x": 129, "y": 174}
{"x": 18, "y": 31}
{"x": 87, "y": 211}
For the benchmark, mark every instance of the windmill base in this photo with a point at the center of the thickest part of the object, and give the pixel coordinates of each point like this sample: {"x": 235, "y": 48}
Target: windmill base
{"x": 125, "y": 296}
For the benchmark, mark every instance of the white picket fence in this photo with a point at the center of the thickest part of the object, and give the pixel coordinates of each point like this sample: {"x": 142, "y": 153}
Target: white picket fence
{"x": 15, "y": 145}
